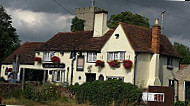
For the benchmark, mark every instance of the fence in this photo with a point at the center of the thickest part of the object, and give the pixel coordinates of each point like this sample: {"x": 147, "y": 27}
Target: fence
{"x": 168, "y": 95}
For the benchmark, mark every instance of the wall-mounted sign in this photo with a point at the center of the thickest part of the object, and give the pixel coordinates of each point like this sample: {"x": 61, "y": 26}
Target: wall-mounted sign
{"x": 53, "y": 65}
{"x": 157, "y": 97}
{"x": 80, "y": 63}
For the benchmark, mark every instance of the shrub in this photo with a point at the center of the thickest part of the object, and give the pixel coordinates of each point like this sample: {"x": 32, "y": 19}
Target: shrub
{"x": 107, "y": 92}
{"x": 179, "y": 103}
{"x": 42, "y": 93}
{"x": 2, "y": 79}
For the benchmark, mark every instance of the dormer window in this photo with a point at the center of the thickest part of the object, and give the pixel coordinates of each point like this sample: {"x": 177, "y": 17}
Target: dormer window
{"x": 92, "y": 57}
{"x": 170, "y": 63}
{"x": 47, "y": 56}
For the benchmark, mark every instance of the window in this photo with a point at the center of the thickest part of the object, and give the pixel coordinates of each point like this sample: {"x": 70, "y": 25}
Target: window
{"x": 116, "y": 56}
{"x": 80, "y": 63}
{"x": 170, "y": 63}
{"x": 47, "y": 56}
{"x": 92, "y": 57}
{"x": 101, "y": 77}
{"x": 171, "y": 83}
{"x": 59, "y": 76}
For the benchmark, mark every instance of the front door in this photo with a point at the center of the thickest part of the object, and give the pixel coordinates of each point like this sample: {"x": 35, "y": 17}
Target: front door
{"x": 90, "y": 77}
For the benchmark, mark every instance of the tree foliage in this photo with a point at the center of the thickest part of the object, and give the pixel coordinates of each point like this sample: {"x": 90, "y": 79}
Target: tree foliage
{"x": 183, "y": 51}
{"x": 105, "y": 93}
{"x": 8, "y": 38}
{"x": 77, "y": 24}
{"x": 129, "y": 18}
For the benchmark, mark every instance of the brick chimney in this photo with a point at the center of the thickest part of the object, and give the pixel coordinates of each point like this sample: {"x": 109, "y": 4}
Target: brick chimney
{"x": 156, "y": 33}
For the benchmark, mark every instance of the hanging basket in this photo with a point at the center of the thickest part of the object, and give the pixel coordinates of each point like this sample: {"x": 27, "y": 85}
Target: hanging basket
{"x": 55, "y": 59}
{"x": 114, "y": 63}
{"x": 38, "y": 59}
{"x": 100, "y": 63}
{"x": 127, "y": 64}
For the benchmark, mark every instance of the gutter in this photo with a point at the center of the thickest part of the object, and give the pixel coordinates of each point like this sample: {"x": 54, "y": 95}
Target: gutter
{"x": 135, "y": 69}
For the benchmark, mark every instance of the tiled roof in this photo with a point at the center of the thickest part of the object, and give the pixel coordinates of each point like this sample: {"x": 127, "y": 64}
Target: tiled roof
{"x": 140, "y": 39}
{"x": 182, "y": 66}
{"x": 26, "y": 53}
{"x": 81, "y": 40}
{"x": 166, "y": 48}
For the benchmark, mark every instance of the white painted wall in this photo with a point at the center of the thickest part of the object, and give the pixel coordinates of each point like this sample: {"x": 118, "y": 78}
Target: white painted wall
{"x": 3, "y": 68}
{"x": 142, "y": 69}
{"x": 154, "y": 70}
{"x": 113, "y": 44}
{"x": 165, "y": 74}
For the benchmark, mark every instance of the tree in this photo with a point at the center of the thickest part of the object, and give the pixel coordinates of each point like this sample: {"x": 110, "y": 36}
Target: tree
{"x": 8, "y": 37}
{"x": 183, "y": 51}
{"x": 129, "y": 18}
{"x": 77, "y": 24}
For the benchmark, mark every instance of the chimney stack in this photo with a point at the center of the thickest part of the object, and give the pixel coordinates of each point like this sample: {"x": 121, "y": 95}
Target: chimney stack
{"x": 156, "y": 36}
{"x": 100, "y": 23}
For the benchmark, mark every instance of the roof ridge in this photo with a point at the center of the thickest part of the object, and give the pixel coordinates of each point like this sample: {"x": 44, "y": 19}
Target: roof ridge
{"x": 123, "y": 23}
{"x": 73, "y": 32}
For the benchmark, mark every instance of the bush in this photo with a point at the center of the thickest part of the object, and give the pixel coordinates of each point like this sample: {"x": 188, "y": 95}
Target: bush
{"x": 179, "y": 103}
{"x": 42, "y": 93}
{"x": 107, "y": 92}
{"x": 2, "y": 79}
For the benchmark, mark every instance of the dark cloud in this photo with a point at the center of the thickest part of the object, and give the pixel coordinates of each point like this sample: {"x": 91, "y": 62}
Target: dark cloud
{"x": 176, "y": 20}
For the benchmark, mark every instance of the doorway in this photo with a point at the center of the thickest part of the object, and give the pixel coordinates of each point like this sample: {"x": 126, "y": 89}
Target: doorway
{"x": 187, "y": 90}
{"x": 33, "y": 75}
{"x": 90, "y": 77}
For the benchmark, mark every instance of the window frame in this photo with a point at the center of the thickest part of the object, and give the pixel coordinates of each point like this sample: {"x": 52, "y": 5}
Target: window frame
{"x": 169, "y": 63}
{"x": 92, "y": 57}
{"x": 171, "y": 83}
{"x": 60, "y": 76}
{"x": 49, "y": 55}
{"x": 118, "y": 55}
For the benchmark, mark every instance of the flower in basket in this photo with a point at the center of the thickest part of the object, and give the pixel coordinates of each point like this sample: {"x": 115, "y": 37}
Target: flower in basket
{"x": 114, "y": 63}
{"x": 55, "y": 59}
{"x": 38, "y": 59}
{"x": 99, "y": 63}
{"x": 127, "y": 64}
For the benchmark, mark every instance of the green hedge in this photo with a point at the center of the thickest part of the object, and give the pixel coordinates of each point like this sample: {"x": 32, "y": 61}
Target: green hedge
{"x": 103, "y": 93}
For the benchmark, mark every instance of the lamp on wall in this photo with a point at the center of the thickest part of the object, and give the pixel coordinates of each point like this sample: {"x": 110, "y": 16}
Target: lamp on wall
{"x": 62, "y": 53}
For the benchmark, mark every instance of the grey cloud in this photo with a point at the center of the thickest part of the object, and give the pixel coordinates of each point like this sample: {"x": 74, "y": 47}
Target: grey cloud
{"x": 176, "y": 21}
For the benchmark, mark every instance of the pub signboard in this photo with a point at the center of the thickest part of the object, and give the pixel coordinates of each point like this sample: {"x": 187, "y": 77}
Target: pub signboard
{"x": 53, "y": 65}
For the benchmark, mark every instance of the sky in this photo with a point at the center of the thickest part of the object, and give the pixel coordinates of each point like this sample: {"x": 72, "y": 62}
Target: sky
{"x": 39, "y": 20}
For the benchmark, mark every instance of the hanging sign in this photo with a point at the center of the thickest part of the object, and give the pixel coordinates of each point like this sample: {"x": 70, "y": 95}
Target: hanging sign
{"x": 53, "y": 65}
